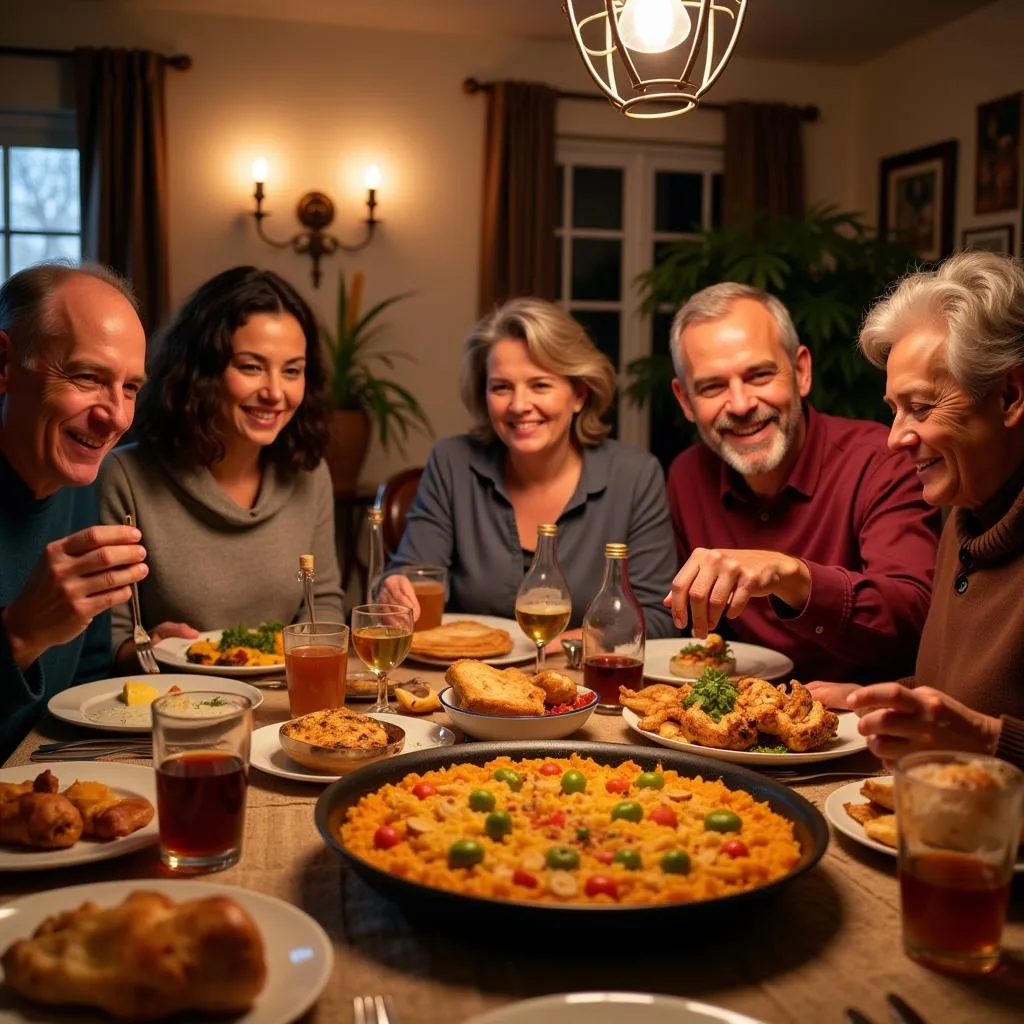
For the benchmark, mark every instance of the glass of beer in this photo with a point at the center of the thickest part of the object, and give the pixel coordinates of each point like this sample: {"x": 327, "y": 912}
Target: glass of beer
{"x": 315, "y": 663}
{"x": 381, "y": 636}
{"x": 430, "y": 584}
{"x": 201, "y": 756}
{"x": 959, "y": 820}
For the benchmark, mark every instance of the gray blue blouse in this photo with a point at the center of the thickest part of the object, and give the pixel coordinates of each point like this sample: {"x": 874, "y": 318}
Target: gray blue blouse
{"x": 462, "y": 518}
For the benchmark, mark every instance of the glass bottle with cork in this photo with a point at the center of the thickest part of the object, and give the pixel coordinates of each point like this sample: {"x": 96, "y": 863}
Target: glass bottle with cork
{"x": 544, "y": 604}
{"x": 315, "y": 654}
{"x": 614, "y": 634}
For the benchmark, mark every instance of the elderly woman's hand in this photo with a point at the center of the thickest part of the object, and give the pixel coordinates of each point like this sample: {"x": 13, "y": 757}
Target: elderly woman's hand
{"x": 397, "y": 589}
{"x": 898, "y": 720}
{"x": 832, "y": 695}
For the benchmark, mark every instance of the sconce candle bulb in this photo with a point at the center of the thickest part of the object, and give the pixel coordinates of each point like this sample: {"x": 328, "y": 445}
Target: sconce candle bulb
{"x": 315, "y": 212}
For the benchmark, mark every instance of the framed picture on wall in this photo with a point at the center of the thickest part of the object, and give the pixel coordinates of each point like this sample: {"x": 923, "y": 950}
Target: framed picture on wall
{"x": 996, "y": 238}
{"x": 997, "y": 170}
{"x": 917, "y": 199}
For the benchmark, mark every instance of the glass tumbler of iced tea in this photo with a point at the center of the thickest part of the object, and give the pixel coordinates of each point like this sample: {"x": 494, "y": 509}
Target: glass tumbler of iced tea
{"x": 315, "y": 665}
{"x": 201, "y": 756}
{"x": 430, "y": 584}
{"x": 959, "y": 819}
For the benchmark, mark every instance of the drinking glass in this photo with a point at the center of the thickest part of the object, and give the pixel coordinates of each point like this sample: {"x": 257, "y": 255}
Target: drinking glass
{"x": 381, "y": 636}
{"x": 315, "y": 664}
{"x": 430, "y": 583}
{"x": 959, "y": 819}
{"x": 201, "y": 756}
{"x": 544, "y": 604}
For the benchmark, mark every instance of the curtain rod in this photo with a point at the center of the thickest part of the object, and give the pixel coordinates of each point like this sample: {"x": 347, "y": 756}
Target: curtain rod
{"x": 178, "y": 61}
{"x": 471, "y": 86}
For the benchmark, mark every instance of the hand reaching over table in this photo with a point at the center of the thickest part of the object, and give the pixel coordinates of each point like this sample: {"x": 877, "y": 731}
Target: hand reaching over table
{"x": 398, "y": 589}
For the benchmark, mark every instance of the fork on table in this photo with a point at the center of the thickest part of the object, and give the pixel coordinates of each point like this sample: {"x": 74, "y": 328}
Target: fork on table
{"x": 794, "y": 775}
{"x": 373, "y": 1010}
{"x": 902, "y": 1012}
{"x": 143, "y": 645}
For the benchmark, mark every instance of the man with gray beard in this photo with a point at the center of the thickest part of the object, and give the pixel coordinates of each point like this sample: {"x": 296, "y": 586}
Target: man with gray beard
{"x": 801, "y": 529}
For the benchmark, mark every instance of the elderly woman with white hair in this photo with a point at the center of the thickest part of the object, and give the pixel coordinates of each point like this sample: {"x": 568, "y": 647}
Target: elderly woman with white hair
{"x": 952, "y": 345}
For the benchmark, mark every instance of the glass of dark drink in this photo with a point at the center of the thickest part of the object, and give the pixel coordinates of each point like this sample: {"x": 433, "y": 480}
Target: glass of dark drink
{"x": 430, "y": 584}
{"x": 959, "y": 820}
{"x": 201, "y": 755}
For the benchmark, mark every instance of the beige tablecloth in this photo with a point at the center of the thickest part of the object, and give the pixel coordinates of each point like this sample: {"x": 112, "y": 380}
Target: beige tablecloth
{"x": 830, "y": 940}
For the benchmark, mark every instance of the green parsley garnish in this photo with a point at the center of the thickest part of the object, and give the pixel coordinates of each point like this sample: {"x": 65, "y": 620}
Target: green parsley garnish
{"x": 768, "y": 748}
{"x": 713, "y": 693}
{"x": 262, "y": 637}
{"x": 702, "y": 651}
{"x": 213, "y": 702}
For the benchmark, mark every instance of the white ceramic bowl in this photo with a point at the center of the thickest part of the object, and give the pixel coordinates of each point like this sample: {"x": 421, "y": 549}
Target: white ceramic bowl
{"x": 517, "y": 727}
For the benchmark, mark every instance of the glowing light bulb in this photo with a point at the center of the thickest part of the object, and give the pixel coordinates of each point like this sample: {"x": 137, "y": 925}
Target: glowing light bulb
{"x": 259, "y": 169}
{"x": 653, "y": 26}
{"x": 372, "y": 176}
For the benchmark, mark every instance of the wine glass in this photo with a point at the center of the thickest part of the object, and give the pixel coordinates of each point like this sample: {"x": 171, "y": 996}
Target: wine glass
{"x": 543, "y": 604}
{"x": 381, "y": 636}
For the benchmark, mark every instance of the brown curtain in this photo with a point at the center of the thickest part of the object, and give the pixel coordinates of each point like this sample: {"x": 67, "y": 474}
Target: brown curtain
{"x": 764, "y": 163}
{"x": 518, "y": 243}
{"x": 122, "y": 140}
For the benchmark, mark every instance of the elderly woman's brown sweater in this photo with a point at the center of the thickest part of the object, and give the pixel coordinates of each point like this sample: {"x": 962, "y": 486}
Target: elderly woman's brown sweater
{"x": 972, "y": 646}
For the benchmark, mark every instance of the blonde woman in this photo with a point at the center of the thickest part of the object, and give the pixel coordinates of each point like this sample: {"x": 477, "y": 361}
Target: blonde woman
{"x": 536, "y": 389}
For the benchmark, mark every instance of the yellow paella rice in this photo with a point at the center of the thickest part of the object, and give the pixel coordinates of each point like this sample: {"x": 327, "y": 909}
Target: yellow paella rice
{"x": 569, "y": 830}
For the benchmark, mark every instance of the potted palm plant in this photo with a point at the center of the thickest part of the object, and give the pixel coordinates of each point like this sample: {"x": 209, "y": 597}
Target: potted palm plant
{"x": 365, "y": 402}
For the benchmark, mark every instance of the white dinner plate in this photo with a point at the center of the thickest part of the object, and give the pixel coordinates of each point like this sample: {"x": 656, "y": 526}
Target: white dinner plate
{"x": 86, "y": 703}
{"x": 267, "y": 755}
{"x": 171, "y": 652}
{"x": 611, "y": 1008}
{"x": 751, "y": 660}
{"x": 127, "y": 780}
{"x": 298, "y": 953}
{"x": 846, "y": 741}
{"x": 523, "y": 648}
{"x": 851, "y": 794}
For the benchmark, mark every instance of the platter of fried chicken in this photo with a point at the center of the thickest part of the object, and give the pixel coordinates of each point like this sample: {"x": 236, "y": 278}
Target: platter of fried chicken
{"x": 74, "y": 813}
{"x": 745, "y": 720}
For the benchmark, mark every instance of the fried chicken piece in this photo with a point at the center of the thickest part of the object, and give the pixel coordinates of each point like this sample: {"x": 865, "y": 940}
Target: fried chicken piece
{"x": 105, "y": 815}
{"x": 659, "y": 714}
{"x": 12, "y": 790}
{"x": 558, "y": 688}
{"x": 734, "y": 731}
{"x": 800, "y": 704}
{"x": 47, "y": 821}
{"x": 881, "y": 792}
{"x": 44, "y": 782}
{"x": 645, "y": 700}
{"x": 863, "y": 813}
{"x": 814, "y": 731}
{"x": 144, "y": 959}
{"x": 883, "y": 830}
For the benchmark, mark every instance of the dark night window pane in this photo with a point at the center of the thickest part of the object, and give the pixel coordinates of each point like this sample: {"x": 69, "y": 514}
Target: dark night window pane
{"x": 660, "y": 248}
{"x": 560, "y": 196}
{"x": 661, "y": 324}
{"x": 603, "y": 328}
{"x": 557, "y": 242}
{"x": 716, "y": 200}
{"x": 596, "y": 269}
{"x": 678, "y": 201}
{"x": 597, "y": 197}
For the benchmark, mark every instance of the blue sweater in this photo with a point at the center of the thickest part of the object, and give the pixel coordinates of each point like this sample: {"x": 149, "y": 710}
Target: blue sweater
{"x": 26, "y": 527}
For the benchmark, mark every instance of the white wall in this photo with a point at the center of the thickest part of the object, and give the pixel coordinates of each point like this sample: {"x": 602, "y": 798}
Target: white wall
{"x": 928, "y": 91}
{"x": 321, "y": 102}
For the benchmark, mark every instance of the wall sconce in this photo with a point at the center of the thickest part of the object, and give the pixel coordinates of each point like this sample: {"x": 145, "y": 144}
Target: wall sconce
{"x": 315, "y": 212}
{"x": 655, "y": 58}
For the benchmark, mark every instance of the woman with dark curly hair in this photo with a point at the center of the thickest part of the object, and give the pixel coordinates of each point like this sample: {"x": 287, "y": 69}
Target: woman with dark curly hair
{"x": 227, "y": 479}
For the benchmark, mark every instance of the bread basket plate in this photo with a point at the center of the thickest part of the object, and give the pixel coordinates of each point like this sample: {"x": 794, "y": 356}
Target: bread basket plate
{"x": 266, "y": 753}
{"x": 846, "y": 741}
{"x": 751, "y": 660}
{"x": 523, "y": 648}
{"x": 842, "y": 822}
{"x": 98, "y": 705}
{"x": 172, "y": 653}
{"x": 127, "y": 780}
{"x": 611, "y": 1008}
{"x": 298, "y": 953}
{"x": 461, "y": 909}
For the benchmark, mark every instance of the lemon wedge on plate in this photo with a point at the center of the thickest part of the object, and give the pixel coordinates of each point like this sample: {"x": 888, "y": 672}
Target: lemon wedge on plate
{"x": 136, "y": 693}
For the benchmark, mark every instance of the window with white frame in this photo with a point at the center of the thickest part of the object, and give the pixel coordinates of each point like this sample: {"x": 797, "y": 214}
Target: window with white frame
{"x": 40, "y": 194}
{"x": 619, "y": 204}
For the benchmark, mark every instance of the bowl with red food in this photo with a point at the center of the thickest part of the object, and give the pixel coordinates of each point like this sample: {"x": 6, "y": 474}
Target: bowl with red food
{"x": 490, "y": 703}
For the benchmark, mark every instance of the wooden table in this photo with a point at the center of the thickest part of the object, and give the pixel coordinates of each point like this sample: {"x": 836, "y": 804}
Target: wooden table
{"x": 830, "y": 940}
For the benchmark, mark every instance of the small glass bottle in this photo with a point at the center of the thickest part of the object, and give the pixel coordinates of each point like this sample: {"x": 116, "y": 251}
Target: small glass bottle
{"x": 614, "y": 634}
{"x": 544, "y": 604}
{"x": 375, "y": 556}
{"x": 307, "y": 576}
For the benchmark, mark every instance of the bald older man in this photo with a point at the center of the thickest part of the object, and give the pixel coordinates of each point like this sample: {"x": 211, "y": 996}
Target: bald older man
{"x": 72, "y": 360}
